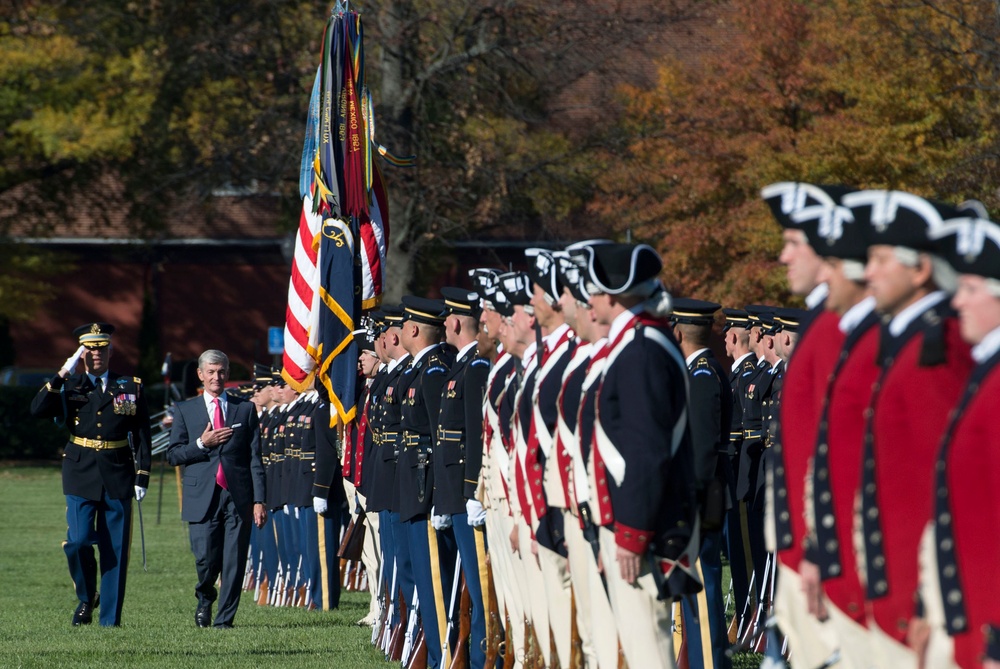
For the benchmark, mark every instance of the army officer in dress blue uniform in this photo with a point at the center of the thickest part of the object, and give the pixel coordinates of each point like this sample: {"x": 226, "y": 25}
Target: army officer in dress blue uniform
{"x": 105, "y": 463}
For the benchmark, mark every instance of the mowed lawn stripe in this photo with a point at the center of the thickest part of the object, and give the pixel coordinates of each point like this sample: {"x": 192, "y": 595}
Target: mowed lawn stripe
{"x": 37, "y": 599}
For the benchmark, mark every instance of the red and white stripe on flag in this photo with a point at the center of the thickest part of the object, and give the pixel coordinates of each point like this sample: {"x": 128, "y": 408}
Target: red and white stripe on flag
{"x": 374, "y": 235}
{"x": 301, "y": 315}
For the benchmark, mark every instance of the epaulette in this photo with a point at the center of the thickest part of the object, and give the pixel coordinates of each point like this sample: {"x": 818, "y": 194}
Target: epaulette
{"x": 480, "y": 361}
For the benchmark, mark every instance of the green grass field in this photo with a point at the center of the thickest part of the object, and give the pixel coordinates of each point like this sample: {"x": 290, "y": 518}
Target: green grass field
{"x": 37, "y": 599}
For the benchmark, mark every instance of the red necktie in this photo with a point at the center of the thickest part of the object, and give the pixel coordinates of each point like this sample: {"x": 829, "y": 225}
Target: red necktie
{"x": 218, "y": 424}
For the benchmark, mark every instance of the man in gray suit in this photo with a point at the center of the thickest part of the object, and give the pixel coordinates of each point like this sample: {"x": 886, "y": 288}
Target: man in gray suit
{"x": 217, "y": 439}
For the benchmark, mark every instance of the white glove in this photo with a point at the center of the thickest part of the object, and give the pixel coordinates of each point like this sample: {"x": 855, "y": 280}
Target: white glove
{"x": 320, "y": 505}
{"x": 287, "y": 510}
{"x": 71, "y": 361}
{"x": 440, "y": 522}
{"x": 140, "y": 492}
{"x": 477, "y": 514}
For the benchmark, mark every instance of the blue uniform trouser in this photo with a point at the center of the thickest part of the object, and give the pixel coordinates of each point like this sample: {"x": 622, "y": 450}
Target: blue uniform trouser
{"x": 423, "y": 573}
{"x": 404, "y": 568}
{"x": 265, "y": 557}
{"x": 465, "y": 537}
{"x": 707, "y": 606}
{"x": 107, "y": 523}
{"x": 387, "y": 544}
{"x": 293, "y": 553}
{"x": 309, "y": 535}
{"x": 281, "y": 546}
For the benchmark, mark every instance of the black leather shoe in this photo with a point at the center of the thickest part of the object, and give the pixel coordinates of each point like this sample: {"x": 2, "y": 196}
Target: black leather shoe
{"x": 203, "y": 616}
{"x": 84, "y": 614}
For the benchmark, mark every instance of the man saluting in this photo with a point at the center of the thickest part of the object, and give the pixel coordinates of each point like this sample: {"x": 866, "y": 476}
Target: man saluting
{"x": 106, "y": 461}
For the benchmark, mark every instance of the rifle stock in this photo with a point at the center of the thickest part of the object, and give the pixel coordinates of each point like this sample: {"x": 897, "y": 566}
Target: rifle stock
{"x": 494, "y": 629}
{"x": 460, "y": 657}
{"x": 576, "y": 659}
{"x": 509, "y": 652}
{"x": 418, "y": 658}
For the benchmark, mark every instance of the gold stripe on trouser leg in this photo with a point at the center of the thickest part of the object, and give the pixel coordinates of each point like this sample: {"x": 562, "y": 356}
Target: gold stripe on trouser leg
{"x": 324, "y": 569}
{"x": 747, "y": 560}
{"x": 535, "y": 584}
{"x": 439, "y": 603}
{"x": 707, "y": 659}
{"x": 558, "y": 598}
{"x": 643, "y": 621}
{"x": 677, "y": 617}
{"x": 940, "y": 647}
{"x": 578, "y": 548}
{"x": 479, "y": 534}
{"x": 810, "y": 641}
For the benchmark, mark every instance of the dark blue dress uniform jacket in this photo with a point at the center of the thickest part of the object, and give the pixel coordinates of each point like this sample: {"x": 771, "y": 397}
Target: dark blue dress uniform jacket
{"x": 88, "y": 472}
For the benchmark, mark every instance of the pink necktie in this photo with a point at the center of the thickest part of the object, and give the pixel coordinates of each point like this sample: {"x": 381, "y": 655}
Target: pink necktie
{"x": 217, "y": 424}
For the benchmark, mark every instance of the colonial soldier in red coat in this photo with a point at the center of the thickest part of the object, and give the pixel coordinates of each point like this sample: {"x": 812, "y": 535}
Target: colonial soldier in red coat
{"x": 924, "y": 365}
{"x": 960, "y": 582}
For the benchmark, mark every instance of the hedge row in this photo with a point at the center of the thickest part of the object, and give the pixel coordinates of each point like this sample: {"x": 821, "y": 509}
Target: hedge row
{"x": 23, "y": 437}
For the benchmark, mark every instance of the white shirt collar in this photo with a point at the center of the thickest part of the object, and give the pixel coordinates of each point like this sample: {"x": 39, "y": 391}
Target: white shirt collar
{"x": 554, "y": 336}
{"x": 598, "y": 345}
{"x": 465, "y": 349}
{"x": 691, "y": 358}
{"x": 529, "y": 354}
{"x": 739, "y": 360}
{"x": 103, "y": 377}
{"x": 817, "y": 295}
{"x": 903, "y": 319}
{"x": 393, "y": 364}
{"x": 621, "y": 320}
{"x": 423, "y": 352}
{"x": 852, "y": 317}
{"x": 985, "y": 349}
{"x": 208, "y": 403}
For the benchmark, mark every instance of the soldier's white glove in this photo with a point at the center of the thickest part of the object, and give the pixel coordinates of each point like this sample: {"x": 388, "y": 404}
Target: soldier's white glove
{"x": 71, "y": 361}
{"x": 440, "y": 522}
{"x": 140, "y": 492}
{"x": 320, "y": 505}
{"x": 477, "y": 514}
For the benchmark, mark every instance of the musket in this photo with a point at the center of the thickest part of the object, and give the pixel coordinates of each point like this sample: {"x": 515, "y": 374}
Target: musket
{"x": 495, "y": 635}
{"x": 390, "y": 609}
{"x": 410, "y": 625}
{"x": 138, "y": 502}
{"x": 165, "y": 373}
{"x": 377, "y": 626}
{"x": 460, "y": 659}
{"x": 446, "y": 644}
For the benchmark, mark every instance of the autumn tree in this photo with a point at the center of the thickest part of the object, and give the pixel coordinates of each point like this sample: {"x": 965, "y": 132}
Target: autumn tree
{"x": 840, "y": 92}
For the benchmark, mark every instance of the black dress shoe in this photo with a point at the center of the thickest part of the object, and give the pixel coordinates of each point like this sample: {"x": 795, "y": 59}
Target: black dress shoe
{"x": 84, "y": 614}
{"x": 203, "y": 616}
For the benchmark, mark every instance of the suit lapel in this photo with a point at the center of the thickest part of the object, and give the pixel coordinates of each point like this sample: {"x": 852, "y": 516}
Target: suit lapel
{"x": 231, "y": 404}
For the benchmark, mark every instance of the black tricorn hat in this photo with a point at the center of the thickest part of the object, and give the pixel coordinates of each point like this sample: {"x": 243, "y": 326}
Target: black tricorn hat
{"x": 516, "y": 287}
{"x": 897, "y": 218}
{"x": 693, "y": 312}
{"x": 971, "y": 246}
{"x": 94, "y": 334}
{"x": 794, "y": 203}
{"x": 616, "y": 269}
{"x": 543, "y": 270}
